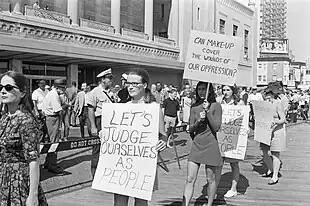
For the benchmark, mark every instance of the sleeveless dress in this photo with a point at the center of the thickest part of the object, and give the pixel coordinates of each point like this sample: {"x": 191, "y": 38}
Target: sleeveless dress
{"x": 232, "y": 102}
{"x": 205, "y": 149}
{"x": 156, "y": 182}
{"x": 278, "y": 135}
{"x": 19, "y": 142}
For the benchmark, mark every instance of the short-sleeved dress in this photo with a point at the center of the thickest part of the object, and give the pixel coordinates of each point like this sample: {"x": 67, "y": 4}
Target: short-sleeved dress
{"x": 19, "y": 142}
{"x": 205, "y": 149}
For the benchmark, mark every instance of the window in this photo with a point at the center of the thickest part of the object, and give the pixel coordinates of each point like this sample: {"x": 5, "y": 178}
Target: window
{"x": 264, "y": 78}
{"x": 274, "y": 77}
{"x": 198, "y": 14}
{"x": 222, "y": 26}
{"x": 235, "y": 30}
{"x": 308, "y": 72}
{"x": 162, "y": 10}
{"x": 246, "y": 44}
{"x": 274, "y": 66}
{"x": 259, "y": 78}
{"x": 260, "y": 65}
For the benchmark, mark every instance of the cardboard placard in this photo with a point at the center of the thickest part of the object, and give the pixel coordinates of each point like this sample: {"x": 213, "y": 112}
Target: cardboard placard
{"x": 212, "y": 57}
{"x": 128, "y": 155}
{"x": 264, "y": 116}
{"x": 233, "y": 134}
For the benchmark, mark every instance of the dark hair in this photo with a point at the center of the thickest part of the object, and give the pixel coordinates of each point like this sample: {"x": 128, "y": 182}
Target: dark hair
{"x": 145, "y": 77}
{"x": 22, "y": 83}
{"x": 211, "y": 96}
{"x": 234, "y": 94}
{"x": 74, "y": 83}
{"x": 276, "y": 95}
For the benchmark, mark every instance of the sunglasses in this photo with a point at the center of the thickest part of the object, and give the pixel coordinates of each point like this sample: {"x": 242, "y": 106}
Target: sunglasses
{"x": 8, "y": 87}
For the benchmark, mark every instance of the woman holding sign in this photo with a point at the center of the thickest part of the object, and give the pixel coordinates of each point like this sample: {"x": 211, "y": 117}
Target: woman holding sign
{"x": 205, "y": 121}
{"x": 137, "y": 85}
{"x": 278, "y": 136}
{"x": 230, "y": 97}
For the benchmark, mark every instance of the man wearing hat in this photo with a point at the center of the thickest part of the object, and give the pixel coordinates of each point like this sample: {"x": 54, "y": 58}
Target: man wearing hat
{"x": 98, "y": 96}
{"x": 81, "y": 110}
{"x": 52, "y": 109}
{"x": 123, "y": 94}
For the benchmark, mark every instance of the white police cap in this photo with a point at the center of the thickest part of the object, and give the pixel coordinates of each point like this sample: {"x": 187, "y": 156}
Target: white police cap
{"x": 104, "y": 73}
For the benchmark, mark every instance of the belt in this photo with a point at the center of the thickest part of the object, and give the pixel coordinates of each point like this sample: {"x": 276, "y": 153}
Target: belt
{"x": 55, "y": 115}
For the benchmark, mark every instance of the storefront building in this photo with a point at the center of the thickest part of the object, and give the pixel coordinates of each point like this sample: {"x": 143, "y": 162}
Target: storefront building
{"x": 77, "y": 39}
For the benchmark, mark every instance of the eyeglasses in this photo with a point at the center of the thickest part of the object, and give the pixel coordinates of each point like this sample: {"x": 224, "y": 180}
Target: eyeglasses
{"x": 134, "y": 84}
{"x": 226, "y": 90}
{"x": 8, "y": 87}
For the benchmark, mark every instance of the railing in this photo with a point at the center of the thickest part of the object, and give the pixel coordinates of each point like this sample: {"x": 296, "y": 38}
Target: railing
{"x": 85, "y": 23}
{"x": 45, "y": 14}
{"x": 162, "y": 40}
{"x": 135, "y": 34}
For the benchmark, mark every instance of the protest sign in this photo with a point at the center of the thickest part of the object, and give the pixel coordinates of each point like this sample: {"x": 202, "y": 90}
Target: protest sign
{"x": 212, "y": 57}
{"x": 233, "y": 134}
{"x": 128, "y": 155}
{"x": 263, "y": 115}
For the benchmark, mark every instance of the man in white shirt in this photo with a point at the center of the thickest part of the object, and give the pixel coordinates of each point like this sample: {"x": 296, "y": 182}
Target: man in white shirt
{"x": 255, "y": 95}
{"x": 52, "y": 108}
{"x": 81, "y": 110}
{"x": 38, "y": 96}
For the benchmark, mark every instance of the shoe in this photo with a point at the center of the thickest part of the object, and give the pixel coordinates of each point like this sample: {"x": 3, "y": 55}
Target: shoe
{"x": 267, "y": 175}
{"x": 230, "y": 194}
{"x": 57, "y": 170}
{"x": 272, "y": 182}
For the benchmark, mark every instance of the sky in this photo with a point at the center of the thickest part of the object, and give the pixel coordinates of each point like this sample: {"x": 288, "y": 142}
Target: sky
{"x": 298, "y": 28}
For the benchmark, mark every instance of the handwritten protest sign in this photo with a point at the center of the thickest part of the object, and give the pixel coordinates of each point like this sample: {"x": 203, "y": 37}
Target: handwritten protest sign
{"x": 128, "y": 156}
{"x": 233, "y": 134}
{"x": 263, "y": 112}
{"x": 212, "y": 57}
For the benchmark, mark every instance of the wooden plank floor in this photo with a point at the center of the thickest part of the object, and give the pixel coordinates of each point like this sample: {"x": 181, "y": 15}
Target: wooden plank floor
{"x": 293, "y": 188}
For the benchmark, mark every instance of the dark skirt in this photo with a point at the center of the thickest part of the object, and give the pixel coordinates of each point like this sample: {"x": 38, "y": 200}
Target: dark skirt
{"x": 205, "y": 150}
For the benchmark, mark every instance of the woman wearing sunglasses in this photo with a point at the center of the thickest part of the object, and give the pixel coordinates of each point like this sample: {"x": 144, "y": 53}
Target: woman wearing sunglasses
{"x": 204, "y": 122}
{"x": 19, "y": 143}
{"x": 137, "y": 85}
{"x": 230, "y": 97}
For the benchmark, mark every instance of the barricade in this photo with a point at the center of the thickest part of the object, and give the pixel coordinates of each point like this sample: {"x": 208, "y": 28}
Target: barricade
{"x": 89, "y": 142}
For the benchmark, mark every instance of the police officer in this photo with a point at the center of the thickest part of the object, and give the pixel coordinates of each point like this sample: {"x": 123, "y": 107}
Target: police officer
{"x": 99, "y": 95}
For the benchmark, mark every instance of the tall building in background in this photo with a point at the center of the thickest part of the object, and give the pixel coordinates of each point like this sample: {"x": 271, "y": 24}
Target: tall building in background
{"x": 273, "y": 18}
{"x": 273, "y": 58}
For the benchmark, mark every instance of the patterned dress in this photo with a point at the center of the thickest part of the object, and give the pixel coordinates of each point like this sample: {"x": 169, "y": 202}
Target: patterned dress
{"x": 19, "y": 142}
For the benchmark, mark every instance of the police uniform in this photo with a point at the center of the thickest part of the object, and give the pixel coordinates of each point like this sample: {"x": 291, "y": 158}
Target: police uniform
{"x": 97, "y": 97}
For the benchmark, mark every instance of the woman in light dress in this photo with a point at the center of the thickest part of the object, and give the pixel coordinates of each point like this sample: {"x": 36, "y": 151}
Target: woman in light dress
{"x": 278, "y": 136}
{"x": 230, "y": 98}
{"x": 137, "y": 85}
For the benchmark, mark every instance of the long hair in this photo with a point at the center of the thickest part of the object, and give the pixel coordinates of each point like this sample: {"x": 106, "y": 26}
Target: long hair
{"x": 211, "y": 96}
{"x": 21, "y": 82}
{"x": 148, "y": 97}
{"x": 235, "y": 95}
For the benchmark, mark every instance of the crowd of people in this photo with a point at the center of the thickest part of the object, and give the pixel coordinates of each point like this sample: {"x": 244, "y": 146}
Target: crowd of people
{"x": 28, "y": 119}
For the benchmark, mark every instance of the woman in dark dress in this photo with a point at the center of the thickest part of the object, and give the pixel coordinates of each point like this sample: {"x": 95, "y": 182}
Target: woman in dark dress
{"x": 19, "y": 143}
{"x": 205, "y": 121}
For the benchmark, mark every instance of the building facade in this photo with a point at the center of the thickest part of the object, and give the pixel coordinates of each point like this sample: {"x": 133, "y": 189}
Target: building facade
{"x": 273, "y": 18}
{"x": 273, "y": 69}
{"x": 77, "y": 39}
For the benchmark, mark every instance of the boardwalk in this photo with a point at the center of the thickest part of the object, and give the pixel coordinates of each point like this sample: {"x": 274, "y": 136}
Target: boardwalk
{"x": 293, "y": 188}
